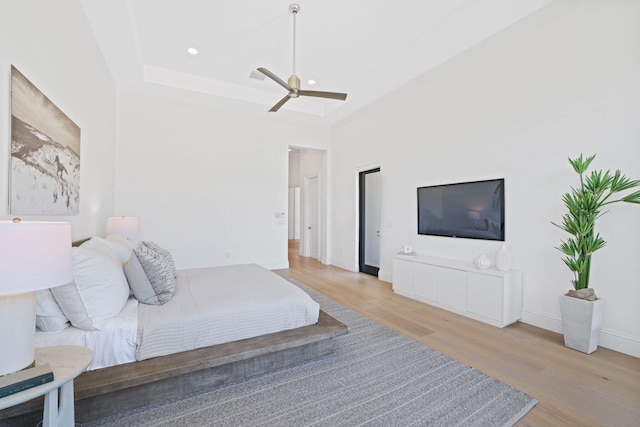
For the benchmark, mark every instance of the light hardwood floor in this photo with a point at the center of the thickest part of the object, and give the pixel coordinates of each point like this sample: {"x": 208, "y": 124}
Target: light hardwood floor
{"x": 572, "y": 388}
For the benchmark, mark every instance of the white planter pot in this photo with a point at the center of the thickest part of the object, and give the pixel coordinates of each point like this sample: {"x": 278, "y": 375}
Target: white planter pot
{"x": 581, "y": 322}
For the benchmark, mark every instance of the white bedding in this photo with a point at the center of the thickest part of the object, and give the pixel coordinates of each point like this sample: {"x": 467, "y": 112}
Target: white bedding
{"x": 222, "y": 304}
{"x": 211, "y": 306}
{"x": 114, "y": 342}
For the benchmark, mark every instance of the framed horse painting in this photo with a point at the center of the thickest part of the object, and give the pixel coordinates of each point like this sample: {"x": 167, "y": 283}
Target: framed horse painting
{"x": 45, "y": 153}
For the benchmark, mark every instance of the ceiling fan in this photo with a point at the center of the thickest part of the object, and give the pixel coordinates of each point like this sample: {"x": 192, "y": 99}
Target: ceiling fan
{"x": 293, "y": 84}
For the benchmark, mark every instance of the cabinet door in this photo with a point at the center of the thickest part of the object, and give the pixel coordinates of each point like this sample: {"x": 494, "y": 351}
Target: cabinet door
{"x": 484, "y": 295}
{"x": 403, "y": 277}
{"x": 425, "y": 281}
{"x": 452, "y": 288}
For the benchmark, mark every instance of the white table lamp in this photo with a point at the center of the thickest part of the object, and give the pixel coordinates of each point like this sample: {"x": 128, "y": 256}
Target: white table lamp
{"x": 125, "y": 226}
{"x": 33, "y": 256}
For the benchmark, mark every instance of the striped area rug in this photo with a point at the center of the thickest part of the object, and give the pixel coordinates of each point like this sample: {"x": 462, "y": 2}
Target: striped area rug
{"x": 375, "y": 377}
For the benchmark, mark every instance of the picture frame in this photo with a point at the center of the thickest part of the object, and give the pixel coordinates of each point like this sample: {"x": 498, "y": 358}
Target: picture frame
{"x": 45, "y": 153}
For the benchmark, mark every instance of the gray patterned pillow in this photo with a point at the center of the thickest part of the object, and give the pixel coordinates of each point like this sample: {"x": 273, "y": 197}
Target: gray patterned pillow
{"x": 159, "y": 271}
{"x": 162, "y": 252}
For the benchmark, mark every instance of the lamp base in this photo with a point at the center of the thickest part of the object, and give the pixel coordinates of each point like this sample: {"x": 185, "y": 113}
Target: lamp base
{"x": 17, "y": 331}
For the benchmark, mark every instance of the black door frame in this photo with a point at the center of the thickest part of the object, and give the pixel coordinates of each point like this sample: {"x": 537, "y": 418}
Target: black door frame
{"x": 364, "y": 268}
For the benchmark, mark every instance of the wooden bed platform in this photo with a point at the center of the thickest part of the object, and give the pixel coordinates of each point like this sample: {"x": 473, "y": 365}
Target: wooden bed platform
{"x": 115, "y": 389}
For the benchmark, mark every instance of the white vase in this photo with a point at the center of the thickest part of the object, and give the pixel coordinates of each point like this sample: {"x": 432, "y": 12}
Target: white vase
{"x": 581, "y": 322}
{"x": 482, "y": 262}
{"x": 504, "y": 258}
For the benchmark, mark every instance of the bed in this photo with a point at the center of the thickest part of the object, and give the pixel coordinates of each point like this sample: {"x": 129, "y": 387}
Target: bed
{"x": 210, "y": 306}
{"x": 206, "y": 327}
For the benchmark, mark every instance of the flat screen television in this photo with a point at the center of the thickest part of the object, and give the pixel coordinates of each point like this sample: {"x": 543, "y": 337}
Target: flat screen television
{"x": 473, "y": 210}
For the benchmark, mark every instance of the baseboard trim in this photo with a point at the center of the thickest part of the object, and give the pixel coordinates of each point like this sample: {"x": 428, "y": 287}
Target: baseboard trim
{"x": 542, "y": 320}
{"x": 345, "y": 265}
{"x": 618, "y": 341}
{"x": 277, "y": 266}
{"x": 610, "y": 339}
{"x": 385, "y": 276}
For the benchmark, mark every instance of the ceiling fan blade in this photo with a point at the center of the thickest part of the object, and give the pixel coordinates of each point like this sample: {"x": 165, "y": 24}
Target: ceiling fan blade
{"x": 319, "y": 94}
{"x": 293, "y": 84}
{"x": 280, "y": 104}
{"x": 274, "y": 78}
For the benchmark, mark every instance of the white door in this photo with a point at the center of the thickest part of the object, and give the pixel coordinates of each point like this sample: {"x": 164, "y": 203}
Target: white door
{"x": 313, "y": 237}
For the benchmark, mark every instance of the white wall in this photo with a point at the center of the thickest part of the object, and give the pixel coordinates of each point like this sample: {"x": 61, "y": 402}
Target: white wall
{"x": 294, "y": 168}
{"x": 207, "y": 182}
{"x": 49, "y": 41}
{"x": 561, "y": 82}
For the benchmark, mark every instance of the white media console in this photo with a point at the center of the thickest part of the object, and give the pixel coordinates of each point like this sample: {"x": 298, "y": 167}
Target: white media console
{"x": 490, "y": 296}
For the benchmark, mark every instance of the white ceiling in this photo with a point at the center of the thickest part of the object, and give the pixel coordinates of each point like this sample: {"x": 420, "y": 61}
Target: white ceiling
{"x": 365, "y": 48}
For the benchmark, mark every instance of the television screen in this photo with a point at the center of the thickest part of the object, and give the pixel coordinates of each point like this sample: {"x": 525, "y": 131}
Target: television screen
{"x": 473, "y": 210}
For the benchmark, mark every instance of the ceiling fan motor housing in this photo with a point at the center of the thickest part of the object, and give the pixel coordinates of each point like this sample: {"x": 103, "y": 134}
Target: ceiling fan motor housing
{"x": 294, "y": 82}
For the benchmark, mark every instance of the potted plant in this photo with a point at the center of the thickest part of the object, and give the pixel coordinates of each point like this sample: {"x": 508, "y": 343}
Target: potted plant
{"x": 581, "y": 311}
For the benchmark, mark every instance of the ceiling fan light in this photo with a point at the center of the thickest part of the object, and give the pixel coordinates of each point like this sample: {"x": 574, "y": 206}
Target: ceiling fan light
{"x": 192, "y": 51}
{"x": 311, "y": 82}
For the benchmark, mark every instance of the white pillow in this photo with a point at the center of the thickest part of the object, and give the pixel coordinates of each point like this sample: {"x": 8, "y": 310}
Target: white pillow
{"x": 116, "y": 238}
{"x": 139, "y": 282}
{"x": 49, "y": 315}
{"x": 123, "y": 251}
{"x": 71, "y": 304}
{"x": 133, "y": 271}
{"x": 100, "y": 289}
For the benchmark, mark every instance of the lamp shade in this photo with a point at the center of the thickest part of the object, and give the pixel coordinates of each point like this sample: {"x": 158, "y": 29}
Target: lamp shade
{"x": 125, "y": 226}
{"x": 34, "y": 255}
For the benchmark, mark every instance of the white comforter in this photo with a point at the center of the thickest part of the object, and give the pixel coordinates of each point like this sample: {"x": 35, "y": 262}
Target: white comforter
{"x": 113, "y": 343}
{"x": 211, "y": 306}
{"x": 222, "y": 304}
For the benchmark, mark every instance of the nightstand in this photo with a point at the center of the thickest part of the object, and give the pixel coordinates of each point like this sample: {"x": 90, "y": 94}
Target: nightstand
{"x": 67, "y": 362}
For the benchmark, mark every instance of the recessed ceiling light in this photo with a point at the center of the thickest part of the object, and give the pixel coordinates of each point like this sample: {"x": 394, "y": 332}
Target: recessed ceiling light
{"x": 311, "y": 82}
{"x": 192, "y": 51}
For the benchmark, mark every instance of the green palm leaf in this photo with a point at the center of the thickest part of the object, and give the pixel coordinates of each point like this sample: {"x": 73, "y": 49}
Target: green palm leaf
{"x": 584, "y": 205}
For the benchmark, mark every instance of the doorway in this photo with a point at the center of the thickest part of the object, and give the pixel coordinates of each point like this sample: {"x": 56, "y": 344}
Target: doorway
{"x": 307, "y": 202}
{"x": 369, "y": 219}
{"x": 312, "y": 224}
